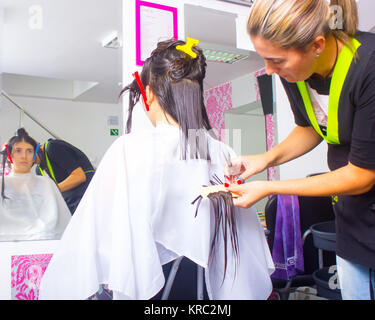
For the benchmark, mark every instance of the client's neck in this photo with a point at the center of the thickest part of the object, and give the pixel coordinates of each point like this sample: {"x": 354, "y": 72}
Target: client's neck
{"x": 158, "y": 116}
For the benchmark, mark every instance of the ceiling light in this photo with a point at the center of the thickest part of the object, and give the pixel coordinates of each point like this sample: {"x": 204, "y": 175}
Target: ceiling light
{"x": 222, "y": 56}
{"x": 221, "y": 53}
{"x": 112, "y": 41}
{"x": 247, "y": 3}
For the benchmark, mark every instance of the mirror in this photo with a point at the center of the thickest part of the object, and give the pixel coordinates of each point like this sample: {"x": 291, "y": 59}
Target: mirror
{"x": 61, "y": 72}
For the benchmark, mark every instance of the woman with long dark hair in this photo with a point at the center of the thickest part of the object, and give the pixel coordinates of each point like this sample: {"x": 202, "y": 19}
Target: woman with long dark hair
{"x": 137, "y": 213}
{"x": 31, "y": 207}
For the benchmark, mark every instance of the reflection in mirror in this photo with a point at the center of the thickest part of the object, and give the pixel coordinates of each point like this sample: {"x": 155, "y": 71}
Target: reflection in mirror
{"x": 31, "y": 207}
{"x": 58, "y": 80}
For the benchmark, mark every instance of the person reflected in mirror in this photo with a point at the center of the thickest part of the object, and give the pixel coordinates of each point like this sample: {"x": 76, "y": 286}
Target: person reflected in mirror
{"x": 31, "y": 206}
{"x": 68, "y": 166}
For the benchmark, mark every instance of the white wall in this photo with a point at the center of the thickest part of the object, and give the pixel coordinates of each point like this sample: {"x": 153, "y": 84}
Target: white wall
{"x": 313, "y": 162}
{"x": 365, "y": 14}
{"x": 1, "y": 47}
{"x": 243, "y": 90}
{"x": 83, "y": 124}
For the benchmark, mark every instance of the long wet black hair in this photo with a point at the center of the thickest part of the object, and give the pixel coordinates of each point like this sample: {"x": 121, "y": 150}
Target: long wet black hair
{"x": 21, "y": 136}
{"x": 177, "y": 81}
{"x": 225, "y": 222}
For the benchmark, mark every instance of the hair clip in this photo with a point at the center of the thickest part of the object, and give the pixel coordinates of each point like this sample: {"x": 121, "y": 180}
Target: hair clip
{"x": 9, "y": 156}
{"x": 216, "y": 187}
{"x": 187, "y": 48}
{"x": 36, "y": 151}
{"x": 143, "y": 92}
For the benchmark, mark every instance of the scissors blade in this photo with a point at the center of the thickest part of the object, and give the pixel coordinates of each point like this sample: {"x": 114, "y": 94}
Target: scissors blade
{"x": 227, "y": 159}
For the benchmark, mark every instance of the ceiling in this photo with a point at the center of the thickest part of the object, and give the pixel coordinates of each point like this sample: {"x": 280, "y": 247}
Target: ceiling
{"x": 62, "y": 57}
{"x": 65, "y": 52}
{"x": 218, "y": 30}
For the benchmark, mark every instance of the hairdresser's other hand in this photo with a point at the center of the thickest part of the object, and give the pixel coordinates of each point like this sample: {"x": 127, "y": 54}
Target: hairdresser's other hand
{"x": 250, "y": 193}
{"x": 246, "y": 166}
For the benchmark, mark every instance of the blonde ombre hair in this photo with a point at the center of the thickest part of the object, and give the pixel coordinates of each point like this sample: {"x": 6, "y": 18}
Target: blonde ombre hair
{"x": 294, "y": 24}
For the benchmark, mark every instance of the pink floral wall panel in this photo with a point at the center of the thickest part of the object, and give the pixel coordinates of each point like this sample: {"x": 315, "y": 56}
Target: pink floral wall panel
{"x": 270, "y": 126}
{"x": 218, "y": 100}
{"x": 7, "y": 169}
{"x": 270, "y": 135}
{"x": 26, "y": 273}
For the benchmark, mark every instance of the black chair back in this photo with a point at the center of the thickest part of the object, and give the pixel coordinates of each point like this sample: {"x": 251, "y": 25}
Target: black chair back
{"x": 312, "y": 210}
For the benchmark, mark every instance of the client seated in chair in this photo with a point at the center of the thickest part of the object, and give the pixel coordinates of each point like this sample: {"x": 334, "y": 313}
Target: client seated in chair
{"x": 31, "y": 207}
{"x": 137, "y": 213}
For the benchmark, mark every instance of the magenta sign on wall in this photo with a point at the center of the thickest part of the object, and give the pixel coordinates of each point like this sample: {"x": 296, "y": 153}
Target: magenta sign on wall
{"x": 154, "y": 23}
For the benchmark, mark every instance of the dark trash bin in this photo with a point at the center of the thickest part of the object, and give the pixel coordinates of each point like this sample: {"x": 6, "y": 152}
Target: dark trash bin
{"x": 324, "y": 235}
{"x": 324, "y": 238}
{"x": 326, "y": 283}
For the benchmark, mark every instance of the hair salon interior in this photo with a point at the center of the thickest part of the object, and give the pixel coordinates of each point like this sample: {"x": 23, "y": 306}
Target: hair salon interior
{"x": 63, "y": 65}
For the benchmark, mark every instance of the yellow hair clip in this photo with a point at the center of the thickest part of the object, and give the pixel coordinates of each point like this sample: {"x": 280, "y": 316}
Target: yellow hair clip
{"x": 187, "y": 48}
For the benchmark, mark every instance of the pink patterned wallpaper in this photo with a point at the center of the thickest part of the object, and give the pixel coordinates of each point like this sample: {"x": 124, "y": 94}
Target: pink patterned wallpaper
{"x": 26, "y": 274}
{"x": 7, "y": 170}
{"x": 270, "y": 126}
{"x": 218, "y": 100}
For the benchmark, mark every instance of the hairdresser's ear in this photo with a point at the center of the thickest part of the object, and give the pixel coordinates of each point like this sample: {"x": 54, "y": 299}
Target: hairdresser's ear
{"x": 149, "y": 95}
{"x": 319, "y": 45}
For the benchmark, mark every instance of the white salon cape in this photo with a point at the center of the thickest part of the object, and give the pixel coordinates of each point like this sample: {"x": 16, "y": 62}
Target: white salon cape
{"x": 136, "y": 215}
{"x": 34, "y": 209}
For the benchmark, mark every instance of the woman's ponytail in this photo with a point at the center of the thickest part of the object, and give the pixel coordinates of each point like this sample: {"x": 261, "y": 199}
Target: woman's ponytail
{"x": 344, "y": 19}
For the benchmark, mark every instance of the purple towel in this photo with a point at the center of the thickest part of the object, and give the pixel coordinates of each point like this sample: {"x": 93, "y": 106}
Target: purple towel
{"x": 287, "y": 251}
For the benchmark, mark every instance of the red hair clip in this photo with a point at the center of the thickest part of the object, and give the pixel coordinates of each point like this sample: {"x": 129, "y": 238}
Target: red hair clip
{"x": 9, "y": 156}
{"x": 140, "y": 85}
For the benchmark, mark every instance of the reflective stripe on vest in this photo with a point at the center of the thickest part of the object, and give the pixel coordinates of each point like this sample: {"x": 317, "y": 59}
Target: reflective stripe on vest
{"x": 338, "y": 78}
{"x": 49, "y": 164}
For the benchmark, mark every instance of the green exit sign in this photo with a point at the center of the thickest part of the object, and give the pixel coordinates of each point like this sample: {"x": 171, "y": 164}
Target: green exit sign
{"x": 113, "y": 132}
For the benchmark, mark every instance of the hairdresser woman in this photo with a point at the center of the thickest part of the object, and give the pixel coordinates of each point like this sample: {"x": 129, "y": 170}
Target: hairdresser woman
{"x": 329, "y": 76}
{"x": 69, "y": 167}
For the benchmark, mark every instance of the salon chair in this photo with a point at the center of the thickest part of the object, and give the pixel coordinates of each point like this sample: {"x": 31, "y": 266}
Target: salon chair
{"x": 312, "y": 210}
{"x": 184, "y": 281}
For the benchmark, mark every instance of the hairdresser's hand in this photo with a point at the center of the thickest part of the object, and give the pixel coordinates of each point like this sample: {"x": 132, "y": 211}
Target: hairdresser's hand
{"x": 246, "y": 166}
{"x": 250, "y": 193}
